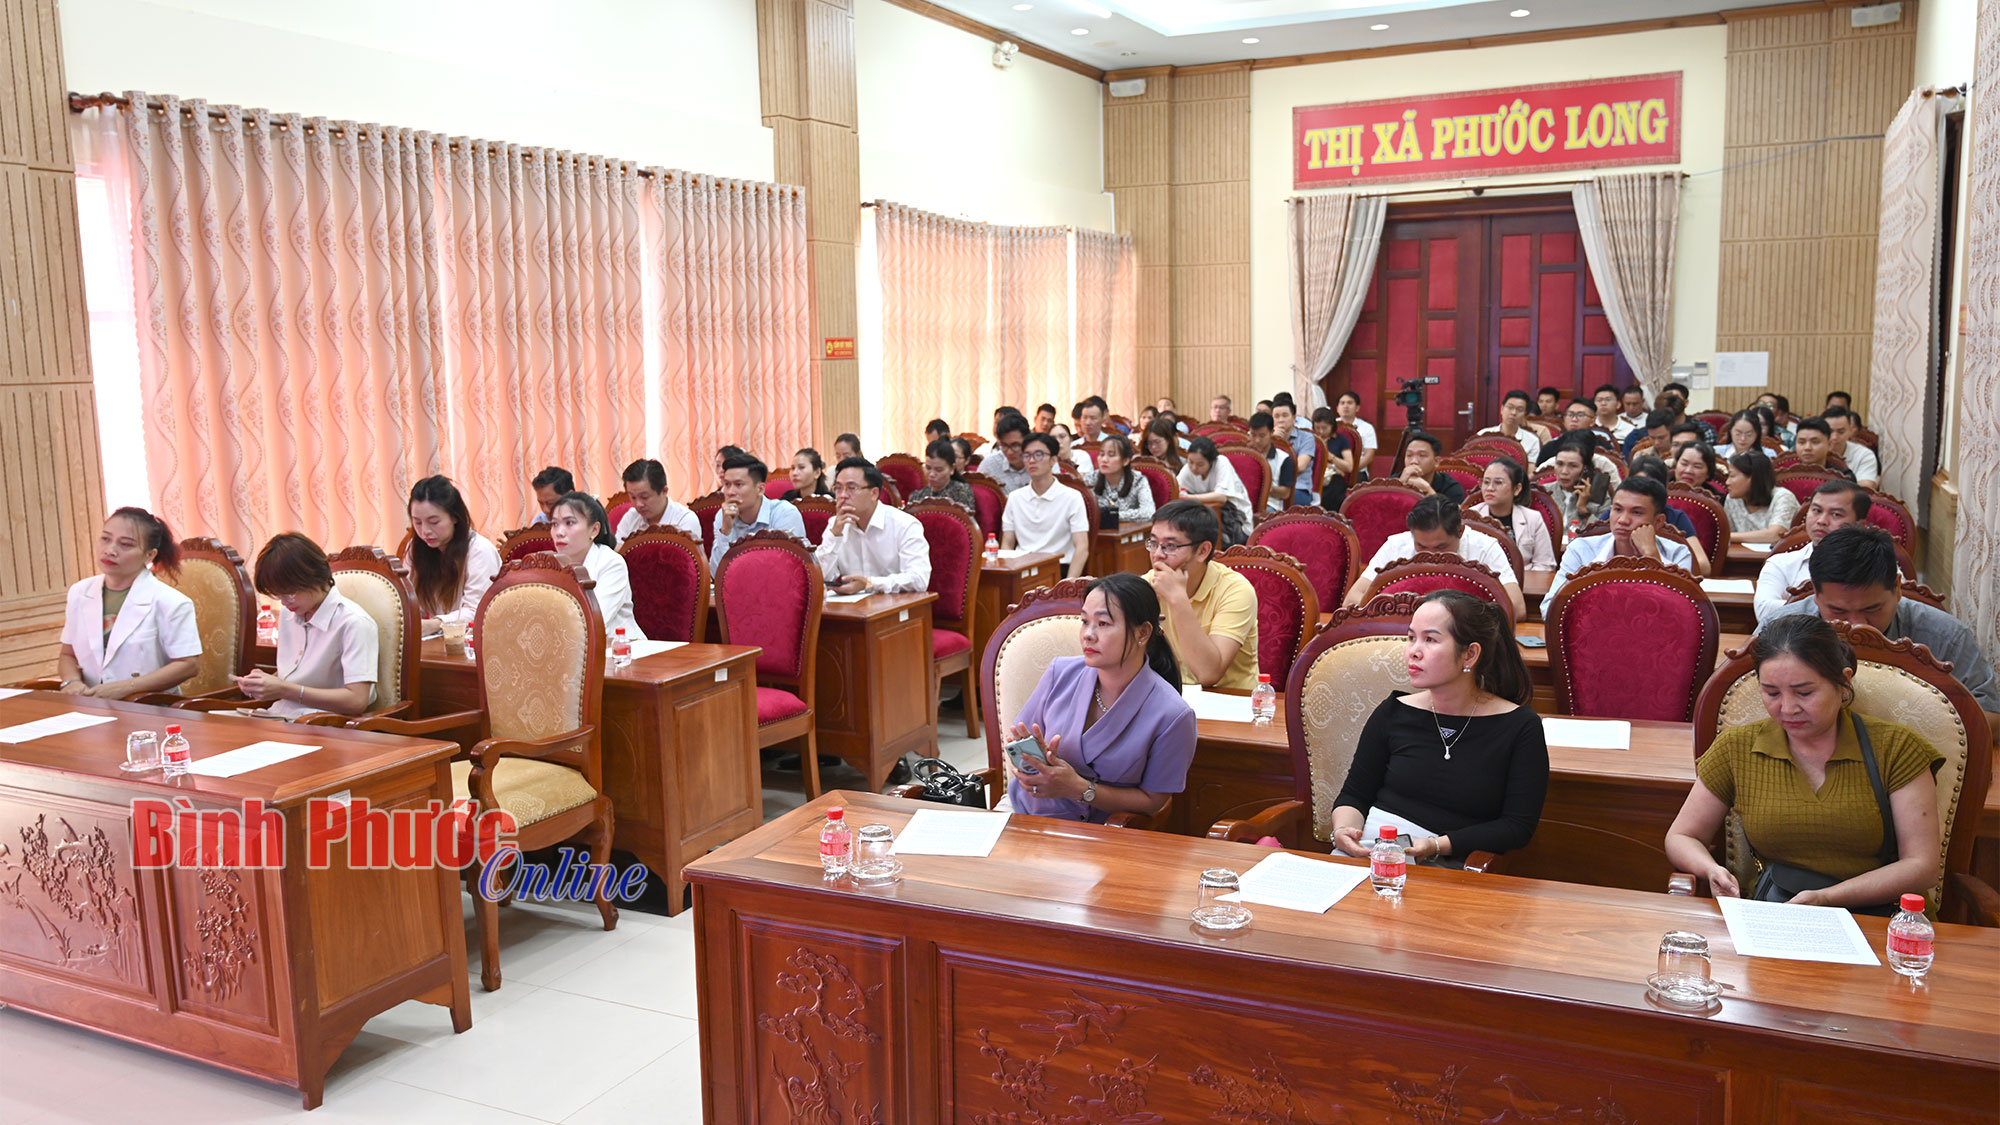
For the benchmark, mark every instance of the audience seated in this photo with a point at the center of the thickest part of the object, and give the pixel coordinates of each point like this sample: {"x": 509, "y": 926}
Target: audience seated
{"x": 1759, "y": 511}
{"x": 1606, "y": 422}
{"x": 450, "y": 564}
{"x": 1340, "y": 466}
{"x": 1814, "y": 446}
{"x": 1163, "y": 442}
{"x": 1514, "y": 411}
{"x": 1580, "y": 417}
{"x": 125, "y": 632}
{"x": 808, "y": 476}
{"x": 1218, "y": 408}
{"x": 1208, "y": 475}
{"x": 1861, "y": 461}
{"x": 1696, "y": 465}
{"x": 1781, "y": 414}
{"x": 1006, "y": 463}
{"x": 1657, "y": 428}
{"x": 1503, "y": 491}
{"x": 871, "y": 547}
{"x": 1089, "y": 419}
{"x": 1633, "y": 416}
{"x": 1045, "y": 514}
{"x": 1638, "y": 510}
{"x": 1435, "y": 525}
{"x": 1348, "y": 407}
{"x": 1209, "y": 610}
{"x": 1302, "y": 437}
{"x": 746, "y": 510}
{"x": 1678, "y": 520}
{"x": 1123, "y": 495}
{"x": 1420, "y": 457}
{"x": 582, "y": 540}
{"x": 941, "y": 479}
{"x": 1746, "y": 434}
{"x": 1581, "y": 496}
{"x": 551, "y": 485}
{"x": 1470, "y": 681}
{"x": 937, "y": 429}
{"x": 1840, "y": 808}
{"x": 646, "y": 486}
{"x": 1835, "y": 504}
{"x": 327, "y": 645}
{"x": 1284, "y": 470}
{"x": 1045, "y": 418}
{"x": 1856, "y": 579}
{"x": 846, "y": 446}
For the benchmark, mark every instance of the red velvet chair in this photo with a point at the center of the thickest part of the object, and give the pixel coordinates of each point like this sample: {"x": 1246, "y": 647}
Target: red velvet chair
{"x": 704, "y": 509}
{"x": 615, "y": 507}
{"x": 530, "y": 540}
{"x": 1499, "y": 534}
{"x": 768, "y": 593}
{"x": 1377, "y": 510}
{"x": 1428, "y": 571}
{"x": 989, "y": 501}
{"x": 669, "y": 574}
{"x": 1089, "y": 504}
{"x": 1718, "y": 420}
{"x": 1710, "y": 519}
{"x": 1631, "y": 639}
{"x": 1252, "y": 470}
{"x": 1165, "y": 483}
{"x": 1803, "y": 481}
{"x": 776, "y": 487}
{"x": 1324, "y": 543}
{"x": 955, "y": 543}
{"x": 1287, "y": 608}
{"x": 1464, "y": 472}
{"x": 905, "y": 470}
{"x": 1499, "y": 444}
{"x": 816, "y": 512}
{"x": 1892, "y": 516}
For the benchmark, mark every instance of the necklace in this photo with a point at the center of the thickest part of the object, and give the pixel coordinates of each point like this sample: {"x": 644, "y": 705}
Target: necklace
{"x": 1097, "y": 696}
{"x": 1454, "y": 739}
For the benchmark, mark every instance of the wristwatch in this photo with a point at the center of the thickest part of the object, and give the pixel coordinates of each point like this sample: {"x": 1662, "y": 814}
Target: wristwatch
{"x": 1090, "y": 792}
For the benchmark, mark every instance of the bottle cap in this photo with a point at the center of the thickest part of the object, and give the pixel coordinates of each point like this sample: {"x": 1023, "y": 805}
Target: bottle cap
{"x": 835, "y": 813}
{"x": 1389, "y": 832}
{"x": 1263, "y": 677}
{"x": 1912, "y": 903}
{"x": 621, "y": 630}
{"x": 173, "y": 728}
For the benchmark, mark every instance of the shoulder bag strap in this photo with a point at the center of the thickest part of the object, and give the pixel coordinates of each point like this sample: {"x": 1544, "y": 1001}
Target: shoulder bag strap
{"x": 1889, "y": 852}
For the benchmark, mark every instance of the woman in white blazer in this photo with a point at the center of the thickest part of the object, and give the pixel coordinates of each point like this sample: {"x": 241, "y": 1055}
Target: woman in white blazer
{"x": 126, "y": 632}
{"x": 450, "y": 564}
{"x": 583, "y": 538}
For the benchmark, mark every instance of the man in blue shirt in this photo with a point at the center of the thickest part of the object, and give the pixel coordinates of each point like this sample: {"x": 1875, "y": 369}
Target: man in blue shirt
{"x": 746, "y": 510}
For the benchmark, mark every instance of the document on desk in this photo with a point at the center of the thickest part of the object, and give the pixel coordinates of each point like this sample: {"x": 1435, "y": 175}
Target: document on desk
{"x": 1215, "y": 705}
{"x": 1588, "y": 734}
{"x": 1760, "y": 548}
{"x": 1371, "y": 829}
{"x": 244, "y": 759}
{"x": 830, "y": 598}
{"x": 1013, "y": 552}
{"x": 1729, "y": 585}
{"x": 11, "y": 692}
{"x": 1296, "y": 882}
{"x": 643, "y": 649}
{"x": 54, "y": 724}
{"x": 943, "y": 832}
{"x": 1795, "y": 933}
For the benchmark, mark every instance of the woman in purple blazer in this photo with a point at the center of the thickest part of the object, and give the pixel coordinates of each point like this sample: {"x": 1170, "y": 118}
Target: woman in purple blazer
{"x": 1117, "y": 732}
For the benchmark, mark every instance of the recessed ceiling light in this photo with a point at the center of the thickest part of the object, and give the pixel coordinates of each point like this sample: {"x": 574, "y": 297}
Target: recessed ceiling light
{"x": 1253, "y": 39}
{"x": 1378, "y": 27}
{"x": 1519, "y": 12}
{"x": 1097, "y": 10}
{"x": 1024, "y": 7}
{"x": 1079, "y": 31}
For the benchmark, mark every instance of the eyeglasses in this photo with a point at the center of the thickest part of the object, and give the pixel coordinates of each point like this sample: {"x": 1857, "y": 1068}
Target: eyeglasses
{"x": 1035, "y": 455}
{"x": 1164, "y": 547}
{"x": 848, "y": 489}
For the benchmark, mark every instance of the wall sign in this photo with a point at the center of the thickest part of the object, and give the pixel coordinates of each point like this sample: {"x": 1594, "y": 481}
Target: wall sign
{"x": 839, "y": 347}
{"x": 1544, "y": 128}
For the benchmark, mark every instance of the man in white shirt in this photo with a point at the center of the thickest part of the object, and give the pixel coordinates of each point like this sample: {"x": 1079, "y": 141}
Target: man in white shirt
{"x": 1348, "y": 406}
{"x": 1634, "y": 414}
{"x": 646, "y": 487}
{"x": 1046, "y": 515}
{"x": 746, "y": 510}
{"x": 1861, "y": 460}
{"x": 1435, "y": 525}
{"x": 1638, "y": 511}
{"x": 551, "y": 485}
{"x": 1834, "y": 505}
{"x": 1004, "y": 464}
{"x": 1090, "y": 414}
{"x": 1514, "y": 411}
{"x": 1605, "y": 399}
{"x": 870, "y": 547}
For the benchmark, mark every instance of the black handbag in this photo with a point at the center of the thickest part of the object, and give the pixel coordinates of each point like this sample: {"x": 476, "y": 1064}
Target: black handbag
{"x": 1781, "y": 882}
{"x": 944, "y": 785}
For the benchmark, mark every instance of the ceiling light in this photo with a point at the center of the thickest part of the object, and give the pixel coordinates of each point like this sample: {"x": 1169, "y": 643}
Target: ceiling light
{"x": 1079, "y": 31}
{"x": 1024, "y": 7}
{"x": 1519, "y": 12}
{"x": 1378, "y": 27}
{"x": 1253, "y": 39}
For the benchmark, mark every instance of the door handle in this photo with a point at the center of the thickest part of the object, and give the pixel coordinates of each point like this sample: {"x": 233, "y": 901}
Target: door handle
{"x": 1467, "y": 412}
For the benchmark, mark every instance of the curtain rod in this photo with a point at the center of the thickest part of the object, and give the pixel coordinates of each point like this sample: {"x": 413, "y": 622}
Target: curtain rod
{"x": 1475, "y": 188}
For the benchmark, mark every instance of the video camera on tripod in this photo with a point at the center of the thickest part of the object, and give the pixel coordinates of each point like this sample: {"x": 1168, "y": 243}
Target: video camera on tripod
{"x": 1411, "y": 399}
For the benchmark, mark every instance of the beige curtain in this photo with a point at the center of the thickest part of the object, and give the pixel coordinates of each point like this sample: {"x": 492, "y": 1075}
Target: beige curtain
{"x": 1334, "y": 241}
{"x": 1031, "y": 290}
{"x": 1107, "y": 339}
{"x": 1628, "y": 224}
{"x": 1975, "y": 568}
{"x": 1906, "y": 299}
{"x": 940, "y": 344}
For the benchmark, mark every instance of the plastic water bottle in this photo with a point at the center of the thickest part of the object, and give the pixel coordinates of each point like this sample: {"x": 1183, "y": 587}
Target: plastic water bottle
{"x": 621, "y": 649}
{"x": 267, "y": 624}
{"x": 836, "y": 843}
{"x": 175, "y": 756}
{"x": 992, "y": 549}
{"x": 1910, "y": 937}
{"x": 1263, "y": 701}
{"x": 1387, "y": 867}
{"x": 471, "y": 650}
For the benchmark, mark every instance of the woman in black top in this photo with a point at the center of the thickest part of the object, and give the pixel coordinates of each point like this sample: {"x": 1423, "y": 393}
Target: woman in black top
{"x": 1463, "y": 757}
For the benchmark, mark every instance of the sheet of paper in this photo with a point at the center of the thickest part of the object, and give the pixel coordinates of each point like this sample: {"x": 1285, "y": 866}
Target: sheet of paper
{"x": 641, "y": 649}
{"x": 243, "y": 759}
{"x": 1742, "y": 369}
{"x": 11, "y": 692}
{"x": 1014, "y": 552}
{"x": 830, "y": 598}
{"x": 54, "y": 724}
{"x": 1729, "y": 585}
{"x": 1215, "y": 705}
{"x": 943, "y": 832}
{"x": 1371, "y": 829}
{"x": 434, "y": 634}
{"x": 1795, "y": 933}
{"x": 1588, "y": 734}
{"x": 1760, "y": 548}
{"x": 1296, "y": 882}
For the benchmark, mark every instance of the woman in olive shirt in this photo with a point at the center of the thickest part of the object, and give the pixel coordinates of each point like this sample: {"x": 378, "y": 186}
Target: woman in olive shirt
{"x": 1800, "y": 783}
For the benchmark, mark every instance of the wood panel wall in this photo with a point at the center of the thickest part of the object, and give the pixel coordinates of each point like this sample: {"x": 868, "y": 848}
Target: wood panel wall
{"x": 1177, "y": 162}
{"x": 806, "y": 72}
{"x": 53, "y": 499}
{"x": 1799, "y": 223}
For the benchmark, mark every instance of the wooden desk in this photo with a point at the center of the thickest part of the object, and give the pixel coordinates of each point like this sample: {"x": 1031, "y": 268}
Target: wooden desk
{"x": 876, "y": 698}
{"x": 680, "y": 747}
{"x": 1061, "y": 976}
{"x": 1744, "y": 562}
{"x": 1123, "y": 549}
{"x": 267, "y": 972}
{"x": 1003, "y": 583}
{"x": 1736, "y": 612}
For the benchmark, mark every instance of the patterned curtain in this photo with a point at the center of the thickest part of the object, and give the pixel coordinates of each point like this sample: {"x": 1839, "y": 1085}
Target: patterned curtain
{"x": 1906, "y": 299}
{"x": 1628, "y": 224}
{"x": 1976, "y": 563}
{"x": 1334, "y": 243}
{"x": 1031, "y": 286}
{"x": 1107, "y": 339}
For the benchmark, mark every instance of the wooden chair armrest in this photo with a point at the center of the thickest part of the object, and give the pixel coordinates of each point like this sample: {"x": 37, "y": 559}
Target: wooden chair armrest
{"x": 217, "y": 701}
{"x": 231, "y": 692}
{"x": 1282, "y": 820}
{"x": 431, "y": 724}
{"x": 336, "y": 719}
{"x": 156, "y": 698}
{"x": 1681, "y": 883}
{"x": 39, "y": 683}
{"x": 490, "y": 750}
{"x": 1981, "y": 901}
{"x": 1141, "y": 821}
{"x": 1483, "y": 863}
{"x": 908, "y": 792}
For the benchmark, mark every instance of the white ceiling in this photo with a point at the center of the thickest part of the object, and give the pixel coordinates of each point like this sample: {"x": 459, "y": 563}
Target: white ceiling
{"x": 1121, "y": 34}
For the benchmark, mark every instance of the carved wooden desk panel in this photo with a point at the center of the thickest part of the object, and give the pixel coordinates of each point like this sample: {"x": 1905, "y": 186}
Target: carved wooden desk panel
{"x": 1004, "y": 582}
{"x": 268, "y": 972}
{"x": 680, "y": 748}
{"x": 1123, "y": 548}
{"x": 874, "y": 696}
{"x": 1060, "y": 981}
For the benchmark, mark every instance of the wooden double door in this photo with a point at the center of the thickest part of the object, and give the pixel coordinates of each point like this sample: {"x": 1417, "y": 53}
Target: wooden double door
{"x": 1486, "y": 297}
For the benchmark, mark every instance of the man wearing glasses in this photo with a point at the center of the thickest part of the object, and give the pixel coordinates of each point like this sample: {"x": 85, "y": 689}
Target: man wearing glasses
{"x": 1209, "y": 609}
{"x": 870, "y": 547}
{"x": 1046, "y": 515}
{"x": 1004, "y": 464}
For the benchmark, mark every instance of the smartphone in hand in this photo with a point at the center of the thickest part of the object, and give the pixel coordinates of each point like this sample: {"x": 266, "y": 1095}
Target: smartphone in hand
{"x": 1027, "y": 755}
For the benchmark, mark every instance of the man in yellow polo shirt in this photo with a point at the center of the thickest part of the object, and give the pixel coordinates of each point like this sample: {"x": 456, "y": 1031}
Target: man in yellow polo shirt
{"x": 1210, "y": 610}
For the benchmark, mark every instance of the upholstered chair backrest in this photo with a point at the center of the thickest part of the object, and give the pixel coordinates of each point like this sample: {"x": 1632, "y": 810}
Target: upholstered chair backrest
{"x": 377, "y": 584}
{"x": 535, "y": 538}
{"x": 769, "y": 593}
{"x": 704, "y": 508}
{"x": 1325, "y": 545}
{"x": 1046, "y": 625}
{"x": 1608, "y": 611}
{"x": 905, "y": 470}
{"x": 955, "y": 542}
{"x": 1287, "y": 608}
{"x": 1089, "y": 496}
{"x": 1711, "y": 521}
{"x": 669, "y": 575}
{"x": 1377, "y": 510}
{"x": 1892, "y": 516}
{"x": 1499, "y": 535}
{"x": 1253, "y": 471}
{"x": 989, "y": 501}
{"x": 815, "y": 512}
{"x": 1343, "y": 675}
{"x": 1430, "y": 571}
{"x": 1465, "y": 472}
{"x": 1165, "y": 484}
{"x": 225, "y": 610}
{"x": 541, "y": 651}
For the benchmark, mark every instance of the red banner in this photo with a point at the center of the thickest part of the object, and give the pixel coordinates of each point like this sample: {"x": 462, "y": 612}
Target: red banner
{"x": 1545, "y": 128}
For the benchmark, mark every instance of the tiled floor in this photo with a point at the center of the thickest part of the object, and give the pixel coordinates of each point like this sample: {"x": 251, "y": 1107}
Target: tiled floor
{"x": 589, "y": 1027}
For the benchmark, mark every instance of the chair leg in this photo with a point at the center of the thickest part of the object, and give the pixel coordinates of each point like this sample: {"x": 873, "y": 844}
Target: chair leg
{"x": 486, "y": 912}
{"x": 811, "y": 760}
{"x": 970, "y": 698}
{"x": 600, "y": 856}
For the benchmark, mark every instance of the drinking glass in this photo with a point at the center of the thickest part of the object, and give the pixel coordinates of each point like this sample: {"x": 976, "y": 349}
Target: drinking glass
{"x": 1683, "y": 979}
{"x": 875, "y": 862}
{"x": 142, "y": 752}
{"x": 1210, "y": 912}
{"x": 454, "y": 636}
